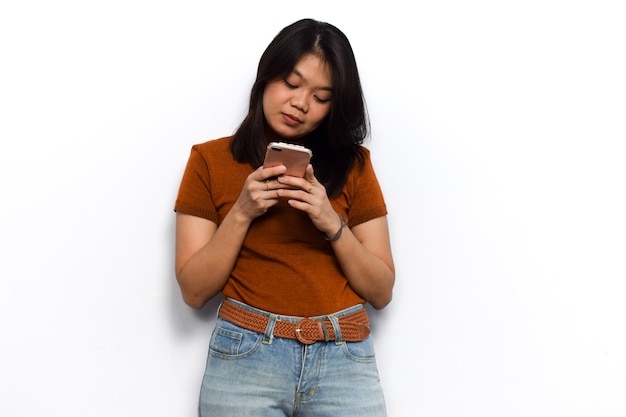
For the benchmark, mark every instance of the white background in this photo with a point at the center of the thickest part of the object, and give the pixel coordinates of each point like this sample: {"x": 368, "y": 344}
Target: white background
{"x": 498, "y": 136}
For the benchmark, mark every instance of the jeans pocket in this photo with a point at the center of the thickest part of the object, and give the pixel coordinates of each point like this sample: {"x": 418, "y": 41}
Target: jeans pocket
{"x": 230, "y": 341}
{"x": 360, "y": 351}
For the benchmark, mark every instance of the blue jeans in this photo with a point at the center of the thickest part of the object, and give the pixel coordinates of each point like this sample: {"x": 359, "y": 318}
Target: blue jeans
{"x": 256, "y": 374}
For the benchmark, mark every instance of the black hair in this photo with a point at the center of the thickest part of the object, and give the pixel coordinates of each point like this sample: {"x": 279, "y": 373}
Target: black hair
{"x": 335, "y": 142}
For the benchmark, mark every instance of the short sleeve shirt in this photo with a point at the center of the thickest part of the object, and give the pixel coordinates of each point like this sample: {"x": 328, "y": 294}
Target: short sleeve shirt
{"x": 285, "y": 265}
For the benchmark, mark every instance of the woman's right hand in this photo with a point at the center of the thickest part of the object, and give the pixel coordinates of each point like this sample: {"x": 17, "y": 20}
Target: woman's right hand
{"x": 259, "y": 192}
{"x": 205, "y": 253}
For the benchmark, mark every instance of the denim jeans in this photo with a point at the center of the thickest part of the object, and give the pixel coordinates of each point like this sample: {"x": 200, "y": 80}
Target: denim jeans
{"x": 256, "y": 374}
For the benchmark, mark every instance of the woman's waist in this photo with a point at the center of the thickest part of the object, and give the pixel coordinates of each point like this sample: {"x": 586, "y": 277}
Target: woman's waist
{"x": 293, "y": 298}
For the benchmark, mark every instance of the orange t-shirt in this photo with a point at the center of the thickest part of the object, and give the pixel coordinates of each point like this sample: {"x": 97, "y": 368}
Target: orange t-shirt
{"x": 285, "y": 265}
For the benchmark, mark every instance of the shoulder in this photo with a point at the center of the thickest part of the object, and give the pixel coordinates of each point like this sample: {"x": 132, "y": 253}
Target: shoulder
{"x": 216, "y": 156}
{"x": 362, "y": 174}
{"x": 363, "y": 160}
{"x": 214, "y": 146}
{"x": 364, "y": 150}
{"x": 362, "y": 192}
{"x": 362, "y": 177}
{"x": 213, "y": 152}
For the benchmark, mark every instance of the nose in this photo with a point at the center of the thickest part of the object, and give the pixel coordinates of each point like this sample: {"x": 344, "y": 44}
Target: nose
{"x": 300, "y": 100}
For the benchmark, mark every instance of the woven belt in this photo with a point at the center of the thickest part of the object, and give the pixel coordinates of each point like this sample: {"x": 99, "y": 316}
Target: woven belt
{"x": 354, "y": 327}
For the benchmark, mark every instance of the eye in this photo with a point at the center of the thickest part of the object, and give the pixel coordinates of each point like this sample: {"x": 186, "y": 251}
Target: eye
{"x": 289, "y": 85}
{"x": 321, "y": 100}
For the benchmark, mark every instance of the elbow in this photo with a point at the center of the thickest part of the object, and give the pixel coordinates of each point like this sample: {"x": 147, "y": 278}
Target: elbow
{"x": 384, "y": 295}
{"x": 193, "y": 301}
{"x": 381, "y": 302}
{"x": 190, "y": 296}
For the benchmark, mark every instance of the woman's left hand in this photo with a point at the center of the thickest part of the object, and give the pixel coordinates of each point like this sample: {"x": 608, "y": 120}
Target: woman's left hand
{"x": 364, "y": 251}
{"x": 309, "y": 195}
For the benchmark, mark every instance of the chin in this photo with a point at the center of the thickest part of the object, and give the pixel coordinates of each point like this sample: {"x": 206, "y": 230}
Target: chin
{"x": 290, "y": 136}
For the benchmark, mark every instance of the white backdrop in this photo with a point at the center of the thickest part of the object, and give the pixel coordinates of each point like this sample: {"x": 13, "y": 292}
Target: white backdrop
{"x": 498, "y": 136}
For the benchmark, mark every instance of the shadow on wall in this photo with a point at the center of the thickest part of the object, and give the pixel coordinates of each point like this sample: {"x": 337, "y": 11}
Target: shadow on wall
{"x": 377, "y": 317}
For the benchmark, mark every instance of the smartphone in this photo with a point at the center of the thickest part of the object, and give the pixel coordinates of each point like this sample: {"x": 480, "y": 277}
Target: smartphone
{"x": 294, "y": 157}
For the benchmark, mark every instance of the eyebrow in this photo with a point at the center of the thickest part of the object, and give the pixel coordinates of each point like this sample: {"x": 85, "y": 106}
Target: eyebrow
{"x": 299, "y": 74}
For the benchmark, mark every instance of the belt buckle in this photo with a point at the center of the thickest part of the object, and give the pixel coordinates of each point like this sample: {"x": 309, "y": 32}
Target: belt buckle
{"x": 306, "y": 326}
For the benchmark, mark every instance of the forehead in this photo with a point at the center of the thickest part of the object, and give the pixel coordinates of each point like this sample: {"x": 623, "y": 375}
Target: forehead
{"x": 314, "y": 70}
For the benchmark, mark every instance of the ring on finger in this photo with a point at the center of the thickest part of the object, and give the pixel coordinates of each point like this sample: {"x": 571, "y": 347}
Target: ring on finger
{"x": 267, "y": 185}
{"x": 312, "y": 185}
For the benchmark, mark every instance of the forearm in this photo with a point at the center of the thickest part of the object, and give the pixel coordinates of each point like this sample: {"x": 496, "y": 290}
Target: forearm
{"x": 204, "y": 274}
{"x": 364, "y": 252}
{"x": 368, "y": 274}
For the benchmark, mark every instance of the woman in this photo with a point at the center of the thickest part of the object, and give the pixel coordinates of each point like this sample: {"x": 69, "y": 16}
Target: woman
{"x": 295, "y": 258}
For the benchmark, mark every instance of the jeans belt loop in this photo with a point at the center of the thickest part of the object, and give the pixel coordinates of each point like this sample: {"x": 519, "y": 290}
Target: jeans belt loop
{"x": 336, "y": 328}
{"x": 325, "y": 331}
{"x": 269, "y": 330}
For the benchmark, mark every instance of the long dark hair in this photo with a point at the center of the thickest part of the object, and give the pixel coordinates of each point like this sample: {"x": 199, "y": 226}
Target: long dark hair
{"x": 335, "y": 142}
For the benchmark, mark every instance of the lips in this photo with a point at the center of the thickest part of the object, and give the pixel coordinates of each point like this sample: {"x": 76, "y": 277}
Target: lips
{"x": 291, "y": 120}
